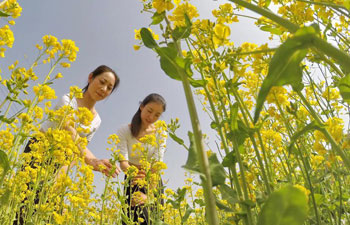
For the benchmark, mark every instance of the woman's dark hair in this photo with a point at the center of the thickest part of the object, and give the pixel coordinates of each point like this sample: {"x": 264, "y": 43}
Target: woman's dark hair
{"x": 100, "y": 70}
{"x": 136, "y": 119}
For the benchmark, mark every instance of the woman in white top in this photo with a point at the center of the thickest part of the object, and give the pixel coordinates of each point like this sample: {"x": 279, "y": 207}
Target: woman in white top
{"x": 101, "y": 83}
{"x": 151, "y": 108}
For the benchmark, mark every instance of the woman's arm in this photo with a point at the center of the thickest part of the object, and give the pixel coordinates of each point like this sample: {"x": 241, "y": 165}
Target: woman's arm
{"x": 91, "y": 159}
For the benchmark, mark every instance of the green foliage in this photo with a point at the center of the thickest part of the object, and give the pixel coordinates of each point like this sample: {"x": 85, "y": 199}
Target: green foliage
{"x": 288, "y": 206}
{"x": 310, "y": 127}
{"x": 285, "y": 65}
{"x": 157, "y": 18}
{"x": 2, "y": 14}
{"x": 183, "y": 32}
{"x": 217, "y": 171}
{"x": 147, "y": 38}
{"x": 344, "y": 88}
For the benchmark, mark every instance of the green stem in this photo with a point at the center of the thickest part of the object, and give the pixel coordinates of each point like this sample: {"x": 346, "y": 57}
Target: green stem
{"x": 202, "y": 156}
{"x": 340, "y": 56}
{"x": 268, "y": 14}
{"x": 323, "y": 4}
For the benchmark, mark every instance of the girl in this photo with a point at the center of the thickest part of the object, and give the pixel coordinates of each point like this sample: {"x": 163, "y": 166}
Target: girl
{"x": 101, "y": 83}
{"x": 142, "y": 124}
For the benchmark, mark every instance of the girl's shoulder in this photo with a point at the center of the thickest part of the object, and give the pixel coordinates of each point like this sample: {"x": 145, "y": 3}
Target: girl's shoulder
{"x": 67, "y": 100}
{"x": 124, "y": 130}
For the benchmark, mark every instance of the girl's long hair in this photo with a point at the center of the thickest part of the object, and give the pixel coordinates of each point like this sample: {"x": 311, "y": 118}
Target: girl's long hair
{"x": 136, "y": 119}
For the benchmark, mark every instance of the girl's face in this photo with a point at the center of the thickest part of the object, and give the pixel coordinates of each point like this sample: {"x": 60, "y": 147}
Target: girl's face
{"x": 151, "y": 112}
{"x": 101, "y": 86}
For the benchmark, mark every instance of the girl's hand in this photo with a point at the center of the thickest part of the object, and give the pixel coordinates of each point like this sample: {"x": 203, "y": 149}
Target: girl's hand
{"x": 104, "y": 166}
{"x": 138, "y": 199}
{"x": 140, "y": 175}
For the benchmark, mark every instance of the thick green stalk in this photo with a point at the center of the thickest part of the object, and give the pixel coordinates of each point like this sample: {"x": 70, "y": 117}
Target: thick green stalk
{"x": 203, "y": 159}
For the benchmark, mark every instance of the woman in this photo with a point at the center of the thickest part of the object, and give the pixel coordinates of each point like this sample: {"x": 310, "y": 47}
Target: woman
{"x": 142, "y": 124}
{"x": 101, "y": 83}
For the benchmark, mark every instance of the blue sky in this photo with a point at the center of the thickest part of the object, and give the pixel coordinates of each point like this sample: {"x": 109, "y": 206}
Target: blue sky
{"x": 104, "y": 32}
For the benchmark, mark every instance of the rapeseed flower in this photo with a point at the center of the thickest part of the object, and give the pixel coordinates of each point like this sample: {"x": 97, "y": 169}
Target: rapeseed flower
{"x": 162, "y": 5}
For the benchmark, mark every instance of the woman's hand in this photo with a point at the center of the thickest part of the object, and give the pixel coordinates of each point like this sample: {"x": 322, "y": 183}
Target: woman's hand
{"x": 138, "y": 198}
{"x": 104, "y": 166}
{"x": 140, "y": 175}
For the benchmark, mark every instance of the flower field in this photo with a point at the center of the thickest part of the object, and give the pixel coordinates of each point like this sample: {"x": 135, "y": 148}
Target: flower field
{"x": 280, "y": 112}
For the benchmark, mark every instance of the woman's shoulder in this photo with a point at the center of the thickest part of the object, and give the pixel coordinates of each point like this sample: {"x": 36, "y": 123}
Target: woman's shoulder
{"x": 67, "y": 100}
{"x": 124, "y": 129}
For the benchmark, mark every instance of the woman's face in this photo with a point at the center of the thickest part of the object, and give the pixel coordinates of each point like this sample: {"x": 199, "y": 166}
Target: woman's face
{"x": 151, "y": 112}
{"x": 101, "y": 86}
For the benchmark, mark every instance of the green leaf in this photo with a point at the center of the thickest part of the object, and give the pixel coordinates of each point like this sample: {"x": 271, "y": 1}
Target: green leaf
{"x": 167, "y": 61}
{"x": 147, "y": 38}
{"x": 288, "y": 206}
{"x": 223, "y": 207}
{"x": 183, "y": 32}
{"x": 319, "y": 199}
{"x": 310, "y": 127}
{"x": 4, "y": 162}
{"x": 285, "y": 65}
{"x": 228, "y": 194}
{"x": 192, "y": 162}
{"x": 229, "y": 160}
{"x": 267, "y": 3}
{"x": 185, "y": 64}
{"x": 197, "y": 83}
{"x": 217, "y": 171}
{"x": 2, "y": 14}
{"x": 157, "y": 18}
{"x": 344, "y": 88}
{"x": 188, "y": 212}
{"x": 239, "y": 133}
{"x": 272, "y": 30}
{"x": 249, "y": 203}
{"x": 176, "y": 139}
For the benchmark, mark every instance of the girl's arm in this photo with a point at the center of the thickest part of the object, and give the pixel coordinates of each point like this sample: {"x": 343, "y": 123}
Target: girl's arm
{"x": 91, "y": 159}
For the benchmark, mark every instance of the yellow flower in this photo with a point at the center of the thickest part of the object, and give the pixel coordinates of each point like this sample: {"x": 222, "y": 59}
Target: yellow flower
{"x": 50, "y": 40}
{"x": 76, "y": 92}
{"x": 11, "y": 7}
{"x": 162, "y": 5}
{"x": 221, "y": 32}
{"x": 59, "y": 75}
{"x": 84, "y": 116}
{"x": 65, "y": 65}
{"x": 136, "y": 47}
{"x": 178, "y": 16}
{"x": 69, "y": 49}
{"x": 132, "y": 171}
